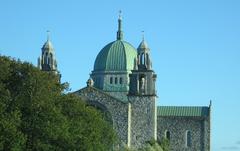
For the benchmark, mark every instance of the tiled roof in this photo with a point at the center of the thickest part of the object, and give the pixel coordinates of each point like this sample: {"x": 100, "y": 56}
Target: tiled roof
{"x": 192, "y": 111}
{"x": 116, "y": 56}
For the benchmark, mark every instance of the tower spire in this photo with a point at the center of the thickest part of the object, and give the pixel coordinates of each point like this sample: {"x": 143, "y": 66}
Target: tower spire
{"x": 142, "y": 35}
{"x": 48, "y": 35}
{"x": 47, "y": 61}
{"x": 120, "y": 32}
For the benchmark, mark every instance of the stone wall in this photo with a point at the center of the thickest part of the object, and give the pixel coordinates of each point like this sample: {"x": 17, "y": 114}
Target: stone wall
{"x": 207, "y": 134}
{"x": 143, "y": 119}
{"x": 117, "y": 109}
{"x": 178, "y": 126}
{"x": 136, "y": 122}
{"x": 119, "y": 95}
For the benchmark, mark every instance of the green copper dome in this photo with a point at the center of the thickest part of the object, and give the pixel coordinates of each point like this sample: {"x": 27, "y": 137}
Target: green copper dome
{"x": 116, "y": 56}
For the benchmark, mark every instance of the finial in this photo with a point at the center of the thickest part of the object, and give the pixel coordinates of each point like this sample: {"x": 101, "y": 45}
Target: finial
{"x": 48, "y": 35}
{"x": 210, "y": 104}
{"x": 90, "y": 82}
{"x": 119, "y": 32}
{"x": 120, "y": 14}
{"x": 143, "y": 35}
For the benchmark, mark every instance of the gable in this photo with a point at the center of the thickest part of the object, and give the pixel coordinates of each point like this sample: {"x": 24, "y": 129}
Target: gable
{"x": 85, "y": 92}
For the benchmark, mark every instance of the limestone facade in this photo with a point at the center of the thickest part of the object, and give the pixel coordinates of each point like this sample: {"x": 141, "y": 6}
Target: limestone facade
{"x": 178, "y": 127}
{"x": 122, "y": 86}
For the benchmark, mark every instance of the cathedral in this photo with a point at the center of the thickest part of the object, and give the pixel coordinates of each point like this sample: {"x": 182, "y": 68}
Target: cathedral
{"x": 122, "y": 86}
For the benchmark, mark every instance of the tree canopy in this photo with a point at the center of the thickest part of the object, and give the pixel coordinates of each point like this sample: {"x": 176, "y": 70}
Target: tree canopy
{"x": 35, "y": 114}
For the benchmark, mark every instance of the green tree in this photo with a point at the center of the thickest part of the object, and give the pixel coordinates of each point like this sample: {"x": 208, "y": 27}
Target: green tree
{"x": 151, "y": 145}
{"x": 165, "y": 144}
{"x": 35, "y": 114}
{"x": 10, "y": 118}
{"x": 87, "y": 128}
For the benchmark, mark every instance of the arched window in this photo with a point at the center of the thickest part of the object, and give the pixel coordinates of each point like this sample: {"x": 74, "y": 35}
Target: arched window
{"x": 46, "y": 58}
{"x": 111, "y": 80}
{"x": 147, "y": 59}
{"x": 120, "y": 80}
{"x": 116, "y": 80}
{"x": 51, "y": 59}
{"x": 188, "y": 139}
{"x": 142, "y": 59}
{"x": 167, "y": 135}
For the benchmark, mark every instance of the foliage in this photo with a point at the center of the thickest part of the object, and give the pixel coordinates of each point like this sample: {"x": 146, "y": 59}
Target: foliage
{"x": 35, "y": 114}
{"x": 165, "y": 144}
{"x": 151, "y": 145}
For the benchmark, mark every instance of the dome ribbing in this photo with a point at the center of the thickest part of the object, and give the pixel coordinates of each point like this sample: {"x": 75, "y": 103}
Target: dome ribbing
{"x": 116, "y": 56}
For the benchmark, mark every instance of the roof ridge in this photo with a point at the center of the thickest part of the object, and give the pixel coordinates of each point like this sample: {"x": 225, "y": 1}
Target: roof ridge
{"x": 125, "y": 58}
{"x": 180, "y": 106}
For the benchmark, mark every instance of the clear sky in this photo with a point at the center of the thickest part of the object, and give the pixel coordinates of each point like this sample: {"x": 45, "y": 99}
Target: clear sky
{"x": 195, "y": 47}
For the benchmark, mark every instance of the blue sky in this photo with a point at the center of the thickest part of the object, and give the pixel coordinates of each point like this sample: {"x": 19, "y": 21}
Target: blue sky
{"x": 195, "y": 47}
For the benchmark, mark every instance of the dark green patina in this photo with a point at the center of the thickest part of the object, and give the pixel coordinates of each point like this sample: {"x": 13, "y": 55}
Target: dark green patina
{"x": 116, "y": 56}
{"x": 193, "y": 111}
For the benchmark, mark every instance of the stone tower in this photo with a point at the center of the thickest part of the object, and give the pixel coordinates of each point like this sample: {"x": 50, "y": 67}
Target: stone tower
{"x": 47, "y": 61}
{"x": 142, "y": 95}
